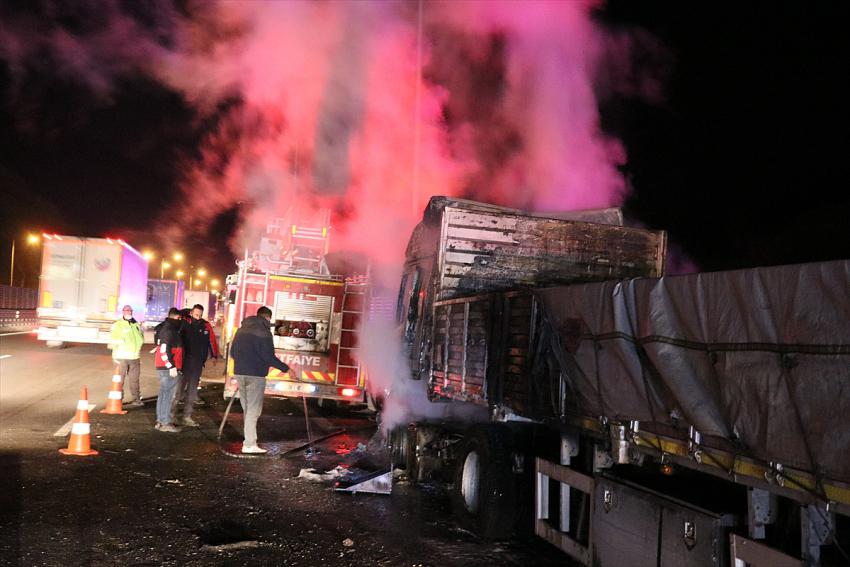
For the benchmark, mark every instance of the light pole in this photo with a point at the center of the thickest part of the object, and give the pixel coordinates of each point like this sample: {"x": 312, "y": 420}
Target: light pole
{"x": 12, "y": 267}
{"x": 31, "y": 239}
{"x": 163, "y": 265}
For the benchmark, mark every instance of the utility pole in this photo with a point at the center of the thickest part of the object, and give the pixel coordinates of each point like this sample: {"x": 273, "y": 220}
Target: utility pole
{"x": 12, "y": 268}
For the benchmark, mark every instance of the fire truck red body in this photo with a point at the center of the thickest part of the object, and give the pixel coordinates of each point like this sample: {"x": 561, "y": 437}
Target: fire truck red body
{"x": 316, "y": 316}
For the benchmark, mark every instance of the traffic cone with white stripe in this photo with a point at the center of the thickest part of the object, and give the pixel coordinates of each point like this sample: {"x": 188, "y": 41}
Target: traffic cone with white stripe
{"x": 114, "y": 405}
{"x": 80, "y": 443}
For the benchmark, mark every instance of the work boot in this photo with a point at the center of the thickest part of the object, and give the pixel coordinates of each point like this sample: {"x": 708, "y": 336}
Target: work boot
{"x": 189, "y": 422}
{"x": 168, "y": 428}
{"x": 135, "y": 404}
{"x": 253, "y": 449}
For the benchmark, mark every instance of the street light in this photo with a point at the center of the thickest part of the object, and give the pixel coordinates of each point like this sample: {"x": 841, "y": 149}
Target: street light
{"x": 162, "y": 267}
{"x": 202, "y": 272}
{"x": 178, "y": 256}
{"x": 32, "y": 239}
{"x": 147, "y": 255}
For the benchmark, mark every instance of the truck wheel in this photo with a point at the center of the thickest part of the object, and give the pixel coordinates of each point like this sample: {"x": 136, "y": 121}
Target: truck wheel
{"x": 55, "y": 344}
{"x": 484, "y": 497}
{"x": 403, "y": 451}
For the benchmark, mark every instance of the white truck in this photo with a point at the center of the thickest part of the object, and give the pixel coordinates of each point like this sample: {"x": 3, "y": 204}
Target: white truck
{"x": 199, "y": 297}
{"x": 83, "y": 285}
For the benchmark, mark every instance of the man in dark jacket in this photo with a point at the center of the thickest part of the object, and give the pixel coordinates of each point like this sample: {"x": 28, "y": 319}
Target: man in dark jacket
{"x": 199, "y": 344}
{"x": 168, "y": 359}
{"x": 253, "y": 353}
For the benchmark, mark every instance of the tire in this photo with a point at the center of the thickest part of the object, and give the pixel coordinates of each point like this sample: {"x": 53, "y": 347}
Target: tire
{"x": 484, "y": 495}
{"x": 403, "y": 450}
{"x": 55, "y": 344}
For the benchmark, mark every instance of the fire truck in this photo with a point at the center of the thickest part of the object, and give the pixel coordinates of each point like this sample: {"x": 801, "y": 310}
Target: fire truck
{"x": 316, "y": 314}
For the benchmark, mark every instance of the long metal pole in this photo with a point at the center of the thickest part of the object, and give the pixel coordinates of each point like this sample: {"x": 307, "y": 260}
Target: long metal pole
{"x": 162, "y": 268}
{"x": 12, "y": 268}
{"x": 417, "y": 127}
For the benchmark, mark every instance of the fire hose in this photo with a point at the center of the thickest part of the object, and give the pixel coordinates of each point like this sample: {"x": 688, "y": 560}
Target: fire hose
{"x": 306, "y": 446}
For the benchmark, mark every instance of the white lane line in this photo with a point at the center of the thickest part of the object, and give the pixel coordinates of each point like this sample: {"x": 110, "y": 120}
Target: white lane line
{"x": 2, "y": 356}
{"x": 18, "y": 333}
{"x": 66, "y": 429}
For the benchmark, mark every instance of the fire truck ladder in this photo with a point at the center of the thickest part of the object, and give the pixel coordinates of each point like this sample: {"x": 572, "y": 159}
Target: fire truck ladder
{"x": 312, "y": 240}
{"x": 352, "y": 288}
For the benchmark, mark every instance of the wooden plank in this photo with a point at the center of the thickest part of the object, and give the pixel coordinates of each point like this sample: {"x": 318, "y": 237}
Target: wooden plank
{"x": 758, "y": 554}
{"x": 562, "y": 541}
{"x": 560, "y": 473}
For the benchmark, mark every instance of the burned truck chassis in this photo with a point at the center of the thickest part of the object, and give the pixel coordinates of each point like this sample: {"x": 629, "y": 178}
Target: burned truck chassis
{"x": 573, "y": 480}
{"x": 582, "y": 483}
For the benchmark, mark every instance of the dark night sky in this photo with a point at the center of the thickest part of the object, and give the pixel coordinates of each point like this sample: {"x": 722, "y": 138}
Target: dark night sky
{"x": 743, "y": 161}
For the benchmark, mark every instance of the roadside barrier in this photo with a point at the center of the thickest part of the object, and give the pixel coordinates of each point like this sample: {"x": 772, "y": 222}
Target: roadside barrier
{"x": 15, "y": 319}
{"x": 114, "y": 405}
{"x": 80, "y": 442}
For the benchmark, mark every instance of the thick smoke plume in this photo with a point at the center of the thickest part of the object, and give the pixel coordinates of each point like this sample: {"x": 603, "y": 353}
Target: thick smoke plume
{"x": 368, "y": 108}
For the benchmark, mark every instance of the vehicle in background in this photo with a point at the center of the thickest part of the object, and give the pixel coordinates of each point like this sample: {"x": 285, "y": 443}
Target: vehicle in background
{"x": 624, "y": 417}
{"x": 316, "y": 314}
{"x": 205, "y": 298}
{"x": 83, "y": 285}
{"x": 161, "y": 296}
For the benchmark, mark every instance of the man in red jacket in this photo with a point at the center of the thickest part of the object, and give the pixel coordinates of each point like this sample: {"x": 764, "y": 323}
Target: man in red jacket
{"x": 199, "y": 344}
{"x": 168, "y": 359}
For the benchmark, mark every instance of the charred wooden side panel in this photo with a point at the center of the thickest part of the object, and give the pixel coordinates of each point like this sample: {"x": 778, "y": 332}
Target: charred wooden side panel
{"x": 460, "y": 352}
{"x": 483, "y": 252}
{"x": 515, "y": 355}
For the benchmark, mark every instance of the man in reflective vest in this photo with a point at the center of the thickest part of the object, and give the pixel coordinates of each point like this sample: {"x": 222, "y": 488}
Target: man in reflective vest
{"x": 126, "y": 341}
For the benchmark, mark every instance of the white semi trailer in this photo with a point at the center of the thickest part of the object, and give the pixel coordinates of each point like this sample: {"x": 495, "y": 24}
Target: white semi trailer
{"x": 83, "y": 285}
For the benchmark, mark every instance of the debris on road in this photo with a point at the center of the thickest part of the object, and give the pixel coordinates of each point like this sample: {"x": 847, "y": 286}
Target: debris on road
{"x": 248, "y": 544}
{"x": 314, "y": 476}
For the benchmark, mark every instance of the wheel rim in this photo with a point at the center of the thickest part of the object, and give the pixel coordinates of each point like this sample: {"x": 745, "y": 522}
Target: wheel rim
{"x": 469, "y": 481}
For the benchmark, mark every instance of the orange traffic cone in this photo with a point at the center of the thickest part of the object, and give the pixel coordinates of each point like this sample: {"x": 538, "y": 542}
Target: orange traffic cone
{"x": 113, "y": 401}
{"x": 79, "y": 444}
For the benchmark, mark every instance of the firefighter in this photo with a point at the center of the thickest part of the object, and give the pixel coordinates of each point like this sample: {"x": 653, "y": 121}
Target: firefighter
{"x": 168, "y": 359}
{"x": 253, "y": 353}
{"x": 199, "y": 345}
{"x": 126, "y": 341}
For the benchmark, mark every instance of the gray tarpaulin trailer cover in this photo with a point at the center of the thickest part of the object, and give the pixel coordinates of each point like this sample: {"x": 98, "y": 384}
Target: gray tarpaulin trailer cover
{"x": 759, "y": 358}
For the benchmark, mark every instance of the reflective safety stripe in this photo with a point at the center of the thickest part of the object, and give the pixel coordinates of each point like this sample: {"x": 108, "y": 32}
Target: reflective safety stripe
{"x": 83, "y": 405}
{"x": 80, "y": 429}
{"x": 115, "y": 395}
{"x": 116, "y": 377}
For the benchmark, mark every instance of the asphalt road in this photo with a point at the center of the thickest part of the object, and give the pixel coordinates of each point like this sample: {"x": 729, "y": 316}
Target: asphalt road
{"x": 153, "y": 498}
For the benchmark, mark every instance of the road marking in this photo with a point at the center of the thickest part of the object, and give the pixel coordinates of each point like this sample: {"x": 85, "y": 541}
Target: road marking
{"x": 2, "y": 356}
{"x": 18, "y": 333}
{"x": 66, "y": 429}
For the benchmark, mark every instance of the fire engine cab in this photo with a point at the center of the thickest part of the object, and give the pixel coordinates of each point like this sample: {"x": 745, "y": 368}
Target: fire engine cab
{"x": 316, "y": 315}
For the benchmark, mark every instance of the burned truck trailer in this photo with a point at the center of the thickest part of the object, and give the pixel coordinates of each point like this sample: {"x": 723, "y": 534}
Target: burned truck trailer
{"x": 641, "y": 420}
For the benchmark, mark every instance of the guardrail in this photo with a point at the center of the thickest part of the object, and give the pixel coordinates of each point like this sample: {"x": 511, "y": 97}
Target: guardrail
{"x": 18, "y": 319}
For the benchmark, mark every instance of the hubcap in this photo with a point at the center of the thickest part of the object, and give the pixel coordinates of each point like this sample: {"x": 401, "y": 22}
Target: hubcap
{"x": 469, "y": 481}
